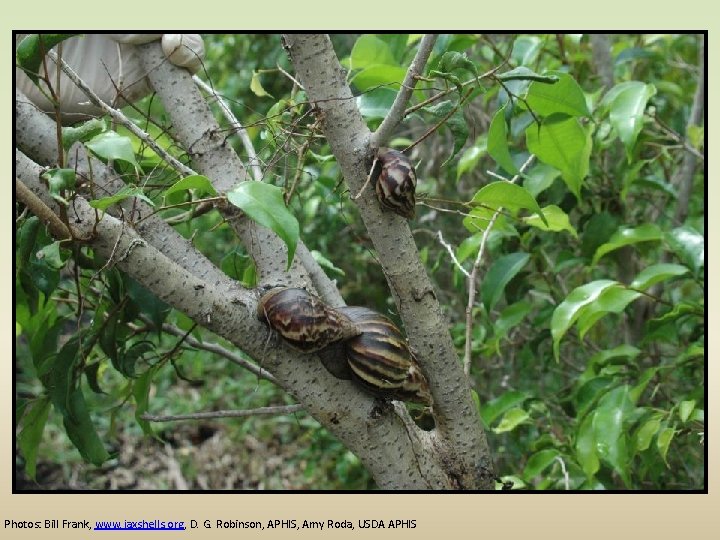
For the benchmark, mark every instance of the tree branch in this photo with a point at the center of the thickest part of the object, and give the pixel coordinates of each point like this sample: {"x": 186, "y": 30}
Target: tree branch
{"x": 260, "y": 411}
{"x": 397, "y": 110}
{"x": 459, "y": 431}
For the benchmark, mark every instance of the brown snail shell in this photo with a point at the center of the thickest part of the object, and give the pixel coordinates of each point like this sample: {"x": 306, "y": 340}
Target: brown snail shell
{"x": 303, "y": 320}
{"x": 396, "y": 182}
{"x": 380, "y": 360}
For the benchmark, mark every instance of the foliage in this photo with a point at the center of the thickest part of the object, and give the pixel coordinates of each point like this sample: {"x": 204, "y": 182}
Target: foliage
{"x": 588, "y": 331}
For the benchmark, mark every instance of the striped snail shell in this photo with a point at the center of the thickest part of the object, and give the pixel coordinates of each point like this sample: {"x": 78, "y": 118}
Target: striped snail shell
{"x": 381, "y": 361}
{"x": 303, "y": 320}
{"x": 395, "y": 185}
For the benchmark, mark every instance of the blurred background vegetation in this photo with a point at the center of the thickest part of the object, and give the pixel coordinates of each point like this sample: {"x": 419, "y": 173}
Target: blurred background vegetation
{"x": 621, "y": 405}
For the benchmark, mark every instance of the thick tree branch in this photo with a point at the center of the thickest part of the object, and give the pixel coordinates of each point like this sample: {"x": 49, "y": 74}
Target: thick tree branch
{"x": 397, "y": 111}
{"x": 459, "y": 431}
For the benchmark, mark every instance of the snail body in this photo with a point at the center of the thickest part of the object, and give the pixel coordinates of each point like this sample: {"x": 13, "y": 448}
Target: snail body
{"x": 380, "y": 360}
{"x": 395, "y": 184}
{"x": 304, "y": 321}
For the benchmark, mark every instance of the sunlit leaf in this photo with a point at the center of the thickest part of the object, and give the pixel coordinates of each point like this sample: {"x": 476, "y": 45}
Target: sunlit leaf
{"x": 564, "y": 97}
{"x": 557, "y": 220}
{"x": 494, "y": 408}
{"x": 112, "y": 146}
{"x": 196, "y": 181}
{"x": 497, "y": 145}
{"x": 627, "y": 236}
{"x": 503, "y": 194}
{"x": 689, "y": 245}
{"x": 646, "y": 432}
{"x": 126, "y": 192}
{"x": 655, "y": 274}
{"x": 512, "y": 419}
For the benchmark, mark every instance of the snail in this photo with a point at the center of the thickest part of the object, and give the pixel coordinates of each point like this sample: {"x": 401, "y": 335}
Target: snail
{"x": 303, "y": 320}
{"x": 395, "y": 183}
{"x": 380, "y": 360}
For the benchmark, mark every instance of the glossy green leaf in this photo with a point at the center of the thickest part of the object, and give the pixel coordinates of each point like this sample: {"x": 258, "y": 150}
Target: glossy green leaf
{"x": 611, "y": 300}
{"x": 571, "y": 308}
{"x": 33, "y": 426}
{"x": 689, "y": 245}
{"x": 497, "y": 145}
{"x": 377, "y": 75}
{"x": 509, "y": 318}
{"x": 503, "y": 194}
{"x": 538, "y": 462}
{"x": 81, "y": 431}
{"x": 557, "y": 220}
{"x": 494, "y": 408}
{"x": 585, "y": 447}
{"x": 525, "y": 50}
{"x": 609, "y": 425}
{"x": 646, "y": 432}
{"x": 590, "y": 392}
{"x": 564, "y": 144}
{"x": 196, "y": 181}
{"x": 657, "y": 273}
{"x": 627, "y": 236}
{"x": 563, "y": 97}
{"x": 370, "y": 50}
{"x": 664, "y": 438}
{"x": 627, "y": 109}
{"x": 512, "y": 419}
{"x": 112, "y": 146}
{"x": 83, "y": 132}
{"x": 264, "y": 204}
{"x": 30, "y": 51}
{"x": 125, "y": 193}
{"x": 637, "y": 391}
{"x": 540, "y": 178}
{"x": 499, "y": 275}
{"x": 59, "y": 181}
{"x": 377, "y": 103}
{"x": 52, "y": 256}
{"x": 469, "y": 159}
{"x": 686, "y": 408}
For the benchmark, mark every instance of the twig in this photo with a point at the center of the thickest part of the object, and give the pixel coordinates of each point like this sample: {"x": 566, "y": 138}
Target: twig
{"x": 397, "y": 110}
{"x": 119, "y": 117}
{"x": 216, "y": 349}
{"x": 449, "y": 249}
{"x": 261, "y": 411}
{"x": 40, "y": 209}
{"x": 236, "y": 126}
{"x": 566, "y": 476}
{"x": 473, "y": 276}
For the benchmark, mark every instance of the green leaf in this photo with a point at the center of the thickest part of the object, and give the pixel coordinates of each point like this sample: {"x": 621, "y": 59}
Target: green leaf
{"x": 689, "y": 245}
{"x": 564, "y": 144}
{"x": 370, "y": 50}
{"x": 376, "y": 103}
{"x": 256, "y": 86}
{"x": 377, "y": 75}
{"x": 686, "y": 408}
{"x": 33, "y": 426}
{"x": 196, "y": 181}
{"x": 141, "y": 393}
{"x": 453, "y": 61}
{"x": 326, "y": 263}
{"x": 469, "y": 159}
{"x": 504, "y": 194}
{"x": 499, "y": 275}
{"x": 664, "y": 438}
{"x": 62, "y": 377}
{"x": 525, "y": 50}
{"x": 497, "y": 145}
{"x": 538, "y": 462}
{"x": 83, "y": 132}
{"x": 512, "y": 419}
{"x": 564, "y": 97}
{"x": 81, "y": 430}
{"x": 30, "y": 51}
{"x": 26, "y": 237}
{"x": 125, "y": 193}
{"x": 494, "y": 408}
{"x": 657, "y": 273}
{"x": 539, "y": 178}
{"x": 611, "y": 300}
{"x": 585, "y": 447}
{"x": 590, "y": 392}
{"x": 557, "y": 220}
{"x": 112, "y": 146}
{"x": 644, "y": 379}
{"x": 264, "y": 204}
{"x": 571, "y": 308}
{"x": 58, "y": 181}
{"x": 91, "y": 374}
{"x": 646, "y": 432}
{"x": 455, "y": 123}
{"x": 509, "y": 318}
{"x": 609, "y": 426}
{"x": 627, "y": 108}
{"x": 51, "y": 256}
{"x": 626, "y": 236}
